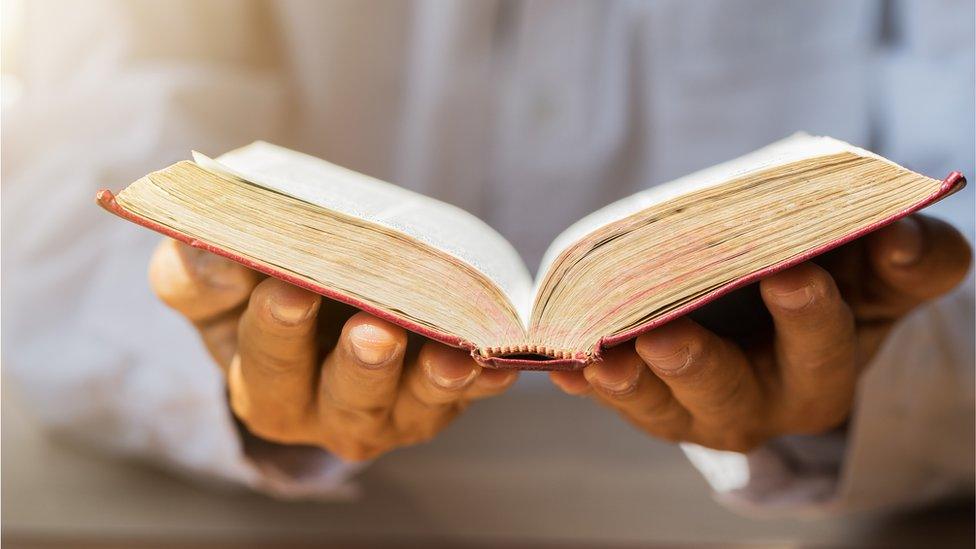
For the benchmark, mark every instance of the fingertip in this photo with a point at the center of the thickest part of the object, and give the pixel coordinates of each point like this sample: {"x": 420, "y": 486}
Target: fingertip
{"x": 496, "y": 380}
{"x": 195, "y": 282}
{"x": 920, "y": 256}
{"x": 669, "y": 348}
{"x": 617, "y": 374}
{"x": 572, "y": 382}
{"x": 800, "y": 289}
{"x": 284, "y": 304}
{"x": 448, "y": 368}
{"x": 373, "y": 341}
{"x": 899, "y": 245}
{"x": 167, "y": 275}
{"x": 379, "y": 327}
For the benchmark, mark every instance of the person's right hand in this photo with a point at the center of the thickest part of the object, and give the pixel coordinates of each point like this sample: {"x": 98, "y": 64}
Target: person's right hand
{"x": 299, "y": 372}
{"x": 796, "y": 374}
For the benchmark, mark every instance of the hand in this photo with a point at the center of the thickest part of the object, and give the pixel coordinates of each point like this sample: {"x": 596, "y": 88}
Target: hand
{"x": 301, "y": 370}
{"x": 683, "y": 382}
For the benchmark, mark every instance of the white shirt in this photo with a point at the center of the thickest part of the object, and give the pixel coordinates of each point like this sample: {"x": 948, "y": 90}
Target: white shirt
{"x": 529, "y": 115}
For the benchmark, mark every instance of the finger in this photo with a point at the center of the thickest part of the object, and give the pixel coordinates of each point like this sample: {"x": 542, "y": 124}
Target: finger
{"x": 623, "y": 382}
{"x": 207, "y": 289}
{"x": 816, "y": 346}
{"x": 572, "y": 383}
{"x": 197, "y": 283}
{"x": 432, "y": 391}
{"x": 272, "y": 383}
{"x": 916, "y": 259}
{"x": 360, "y": 378}
{"x": 490, "y": 382}
{"x": 707, "y": 375}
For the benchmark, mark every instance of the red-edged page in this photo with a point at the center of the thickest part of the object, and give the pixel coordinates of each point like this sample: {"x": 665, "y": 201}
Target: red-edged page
{"x": 952, "y": 183}
{"x": 106, "y": 199}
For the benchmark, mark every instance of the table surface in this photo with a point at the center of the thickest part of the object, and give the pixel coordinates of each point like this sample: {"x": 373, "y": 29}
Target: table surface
{"x": 532, "y": 468}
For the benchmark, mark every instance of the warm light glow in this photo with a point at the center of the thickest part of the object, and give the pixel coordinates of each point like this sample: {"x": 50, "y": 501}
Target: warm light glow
{"x": 11, "y": 38}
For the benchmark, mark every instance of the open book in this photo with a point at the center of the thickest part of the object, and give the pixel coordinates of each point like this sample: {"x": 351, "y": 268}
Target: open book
{"x": 439, "y": 271}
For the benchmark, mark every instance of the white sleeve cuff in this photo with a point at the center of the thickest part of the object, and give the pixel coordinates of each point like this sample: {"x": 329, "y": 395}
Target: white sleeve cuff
{"x": 795, "y": 475}
{"x": 298, "y": 472}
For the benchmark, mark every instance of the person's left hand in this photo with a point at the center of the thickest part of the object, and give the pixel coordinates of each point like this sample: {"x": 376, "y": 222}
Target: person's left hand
{"x": 683, "y": 382}
{"x": 303, "y": 370}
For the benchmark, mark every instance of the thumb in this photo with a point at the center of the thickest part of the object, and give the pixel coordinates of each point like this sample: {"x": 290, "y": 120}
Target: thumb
{"x": 197, "y": 284}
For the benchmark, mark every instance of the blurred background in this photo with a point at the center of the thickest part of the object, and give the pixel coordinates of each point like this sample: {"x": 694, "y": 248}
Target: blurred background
{"x": 528, "y": 114}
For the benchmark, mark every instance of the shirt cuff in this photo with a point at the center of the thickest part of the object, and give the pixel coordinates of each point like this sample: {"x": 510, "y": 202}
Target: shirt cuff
{"x": 793, "y": 475}
{"x": 297, "y": 471}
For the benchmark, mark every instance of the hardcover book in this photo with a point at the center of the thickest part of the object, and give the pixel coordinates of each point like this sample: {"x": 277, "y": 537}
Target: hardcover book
{"x": 439, "y": 271}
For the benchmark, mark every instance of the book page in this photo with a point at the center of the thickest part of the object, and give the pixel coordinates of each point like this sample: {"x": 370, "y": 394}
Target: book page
{"x": 796, "y": 147}
{"x": 440, "y": 225}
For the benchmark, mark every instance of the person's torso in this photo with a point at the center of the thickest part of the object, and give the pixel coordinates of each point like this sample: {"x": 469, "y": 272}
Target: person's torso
{"x": 531, "y": 115}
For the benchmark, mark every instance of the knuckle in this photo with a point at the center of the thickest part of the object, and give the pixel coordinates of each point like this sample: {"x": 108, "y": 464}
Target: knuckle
{"x": 352, "y": 450}
{"x": 419, "y": 435}
{"x": 726, "y": 397}
{"x": 360, "y": 423}
{"x": 274, "y": 356}
{"x": 836, "y": 358}
{"x": 262, "y": 360}
{"x": 655, "y": 409}
{"x": 817, "y": 419}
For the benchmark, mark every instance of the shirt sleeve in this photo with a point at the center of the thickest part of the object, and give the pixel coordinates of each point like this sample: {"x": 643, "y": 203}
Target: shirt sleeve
{"x": 910, "y": 438}
{"x": 104, "y": 92}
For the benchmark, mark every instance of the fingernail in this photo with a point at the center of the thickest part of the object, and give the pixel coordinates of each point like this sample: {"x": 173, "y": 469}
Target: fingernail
{"x": 448, "y": 379}
{"x": 615, "y": 380}
{"x": 670, "y": 363}
{"x": 371, "y": 345}
{"x": 908, "y": 242}
{"x": 796, "y": 299}
{"x": 289, "y": 311}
